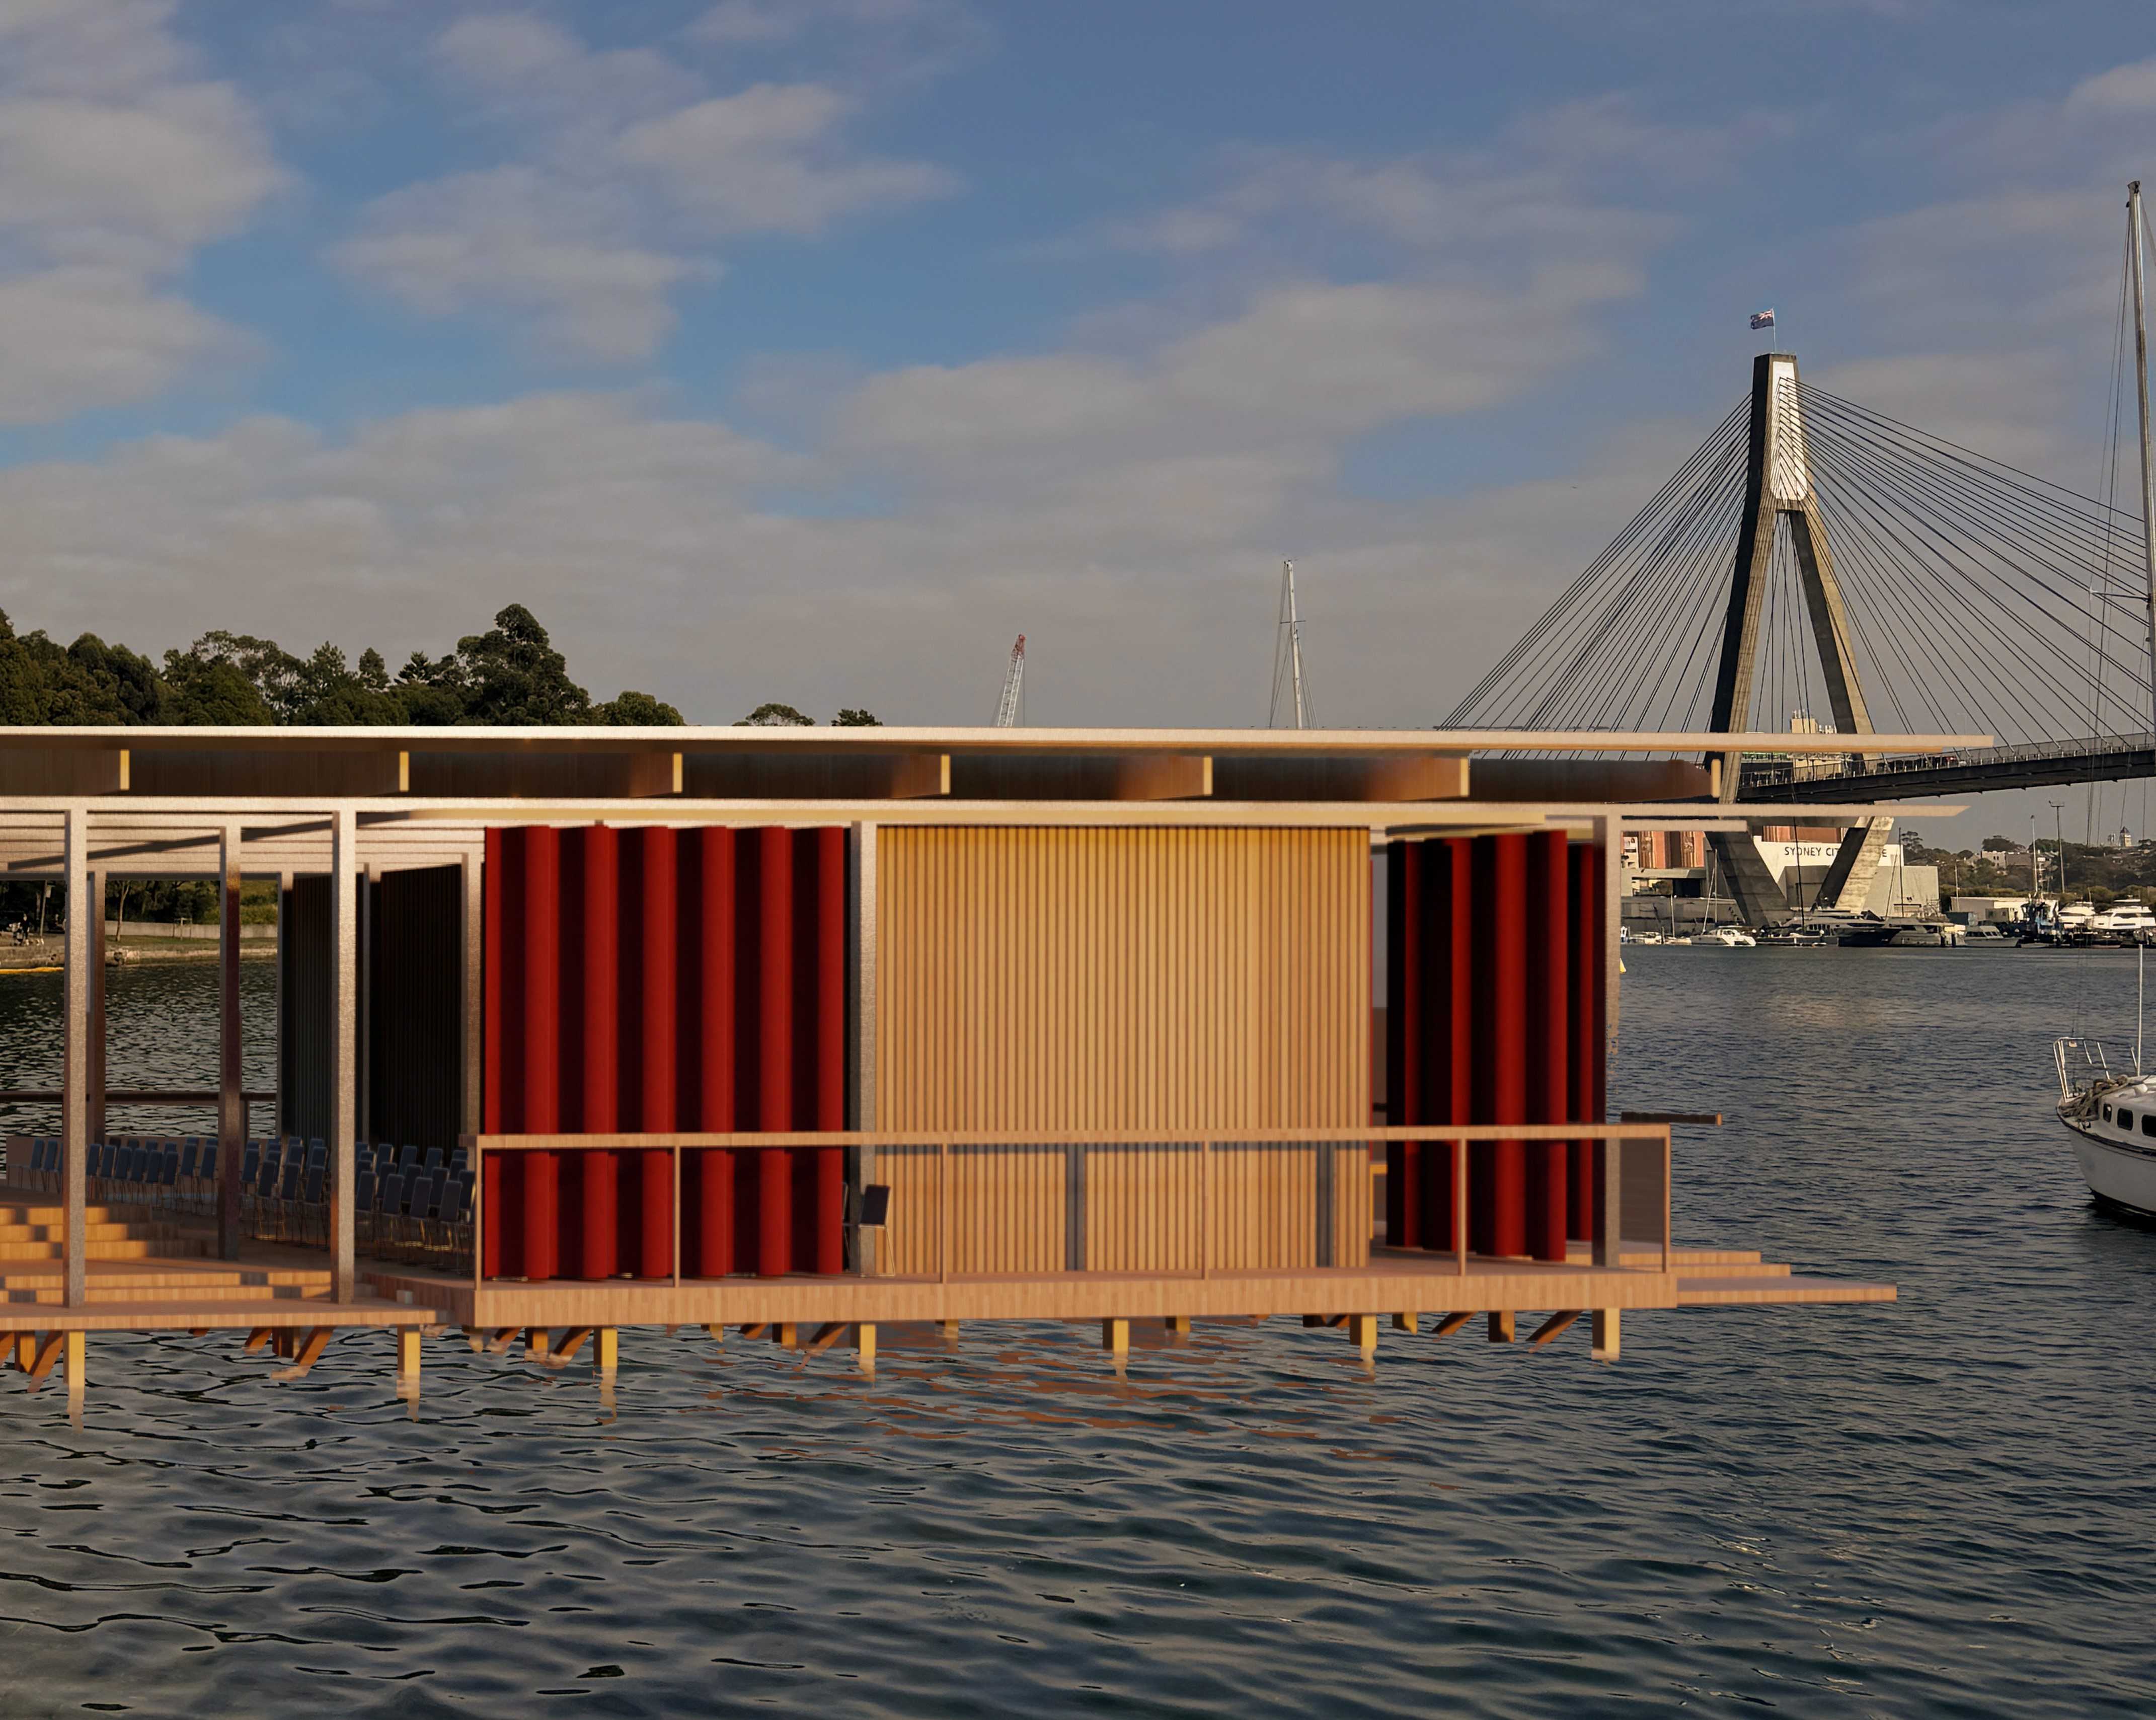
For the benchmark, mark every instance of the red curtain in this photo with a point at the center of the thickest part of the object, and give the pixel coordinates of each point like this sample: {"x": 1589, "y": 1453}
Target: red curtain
{"x": 1494, "y": 1014}
{"x": 647, "y": 981}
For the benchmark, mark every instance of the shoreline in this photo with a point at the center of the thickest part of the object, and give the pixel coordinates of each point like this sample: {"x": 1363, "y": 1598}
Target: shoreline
{"x": 52, "y": 958}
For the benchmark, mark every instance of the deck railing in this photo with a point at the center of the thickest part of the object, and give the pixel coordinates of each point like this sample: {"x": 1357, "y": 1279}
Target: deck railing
{"x": 1631, "y": 1187}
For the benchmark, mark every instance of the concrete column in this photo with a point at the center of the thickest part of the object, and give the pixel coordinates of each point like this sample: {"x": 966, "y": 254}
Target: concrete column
{"x": 84, "y": 911}
{"x": 231, "y": 1107}
{"x": 344, "y": 1044}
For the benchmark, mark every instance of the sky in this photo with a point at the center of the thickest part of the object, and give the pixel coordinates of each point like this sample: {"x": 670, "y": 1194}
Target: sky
{"x": 810, "y": 350}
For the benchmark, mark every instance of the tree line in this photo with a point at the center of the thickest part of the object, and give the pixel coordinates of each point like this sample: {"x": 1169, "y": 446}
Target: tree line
{"x": 509, "y": 676}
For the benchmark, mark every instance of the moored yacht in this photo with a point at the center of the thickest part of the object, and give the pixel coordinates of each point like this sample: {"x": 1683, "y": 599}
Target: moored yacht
{"x": 2125, "y": 919}
{"x": 2112, "y": 1119}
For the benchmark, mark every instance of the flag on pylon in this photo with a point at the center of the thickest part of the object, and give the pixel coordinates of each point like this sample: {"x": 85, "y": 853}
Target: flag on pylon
{"x": 1763, "y": 319}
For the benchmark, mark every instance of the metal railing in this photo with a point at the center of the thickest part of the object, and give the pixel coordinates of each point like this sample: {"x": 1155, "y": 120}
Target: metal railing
{"x": 2086, "y": 1064}
{"x": 1757, "y": 774}
{"x": 1632, "y": 1183}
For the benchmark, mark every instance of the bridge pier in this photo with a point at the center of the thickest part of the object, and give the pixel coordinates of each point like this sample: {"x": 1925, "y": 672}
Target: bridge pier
{"x": 1848, "y": 882}
{"x": 1758, "y": 898}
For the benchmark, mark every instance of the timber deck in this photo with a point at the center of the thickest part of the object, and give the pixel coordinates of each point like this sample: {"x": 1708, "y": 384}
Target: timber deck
{"x": 1394, "y": 1283}
{"x": 280, "y": 1295}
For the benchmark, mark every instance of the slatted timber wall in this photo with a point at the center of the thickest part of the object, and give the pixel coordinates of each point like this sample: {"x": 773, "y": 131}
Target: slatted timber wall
{"x": 1042, "y": 980}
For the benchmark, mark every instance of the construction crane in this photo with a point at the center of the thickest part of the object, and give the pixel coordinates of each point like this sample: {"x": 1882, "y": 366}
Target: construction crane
{"x": 1287, "y": 657}
{"x": 1014, "y": 685}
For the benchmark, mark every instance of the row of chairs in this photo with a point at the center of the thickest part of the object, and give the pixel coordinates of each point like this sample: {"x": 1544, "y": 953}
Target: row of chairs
{"x": 410, "y": 1205}
{"x": 420, "y": 1214}
{"x": 172, "y": 1176}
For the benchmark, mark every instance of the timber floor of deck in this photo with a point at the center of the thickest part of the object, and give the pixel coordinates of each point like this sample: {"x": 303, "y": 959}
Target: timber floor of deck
{"x": 279, "y": 1287}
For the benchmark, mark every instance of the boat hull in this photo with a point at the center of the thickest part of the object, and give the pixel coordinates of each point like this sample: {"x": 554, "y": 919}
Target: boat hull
{"x": 2121, "y": 1174}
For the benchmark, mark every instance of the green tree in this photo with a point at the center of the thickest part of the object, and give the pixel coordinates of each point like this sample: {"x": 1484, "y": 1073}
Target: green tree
{"x": 630, "y": 709}
{"x": 43, "y": 682}
{"x": 849, "y": 718}
{"x": 207, "y": 693}
{"x": 775, "y": 716}
{"x": 277, "y": 677}
{"x": 512, "y": 675}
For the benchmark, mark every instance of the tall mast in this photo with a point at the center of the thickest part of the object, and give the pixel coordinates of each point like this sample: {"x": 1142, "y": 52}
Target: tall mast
{"x": 1295, "y": 642}
{"x": 1287, "y": 653}
{"x": 1007, "y": 707}
{"x": 2134, "y": 247}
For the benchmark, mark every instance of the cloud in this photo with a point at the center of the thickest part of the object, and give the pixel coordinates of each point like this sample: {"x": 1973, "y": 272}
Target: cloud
{"x": 1572, "y": 179}
{"x": 79, "y": 335}
{"x": 1306, "y": 365}
{"x": 563, "y": 257}
{"x": 879, "y": 44}
{"x": 1127, "y": 512}
{"x": 645, "y": 540}
{"x": 2124, "y": 89}
{"x": 116, "y": 164}
{"x": 626, "y": 173}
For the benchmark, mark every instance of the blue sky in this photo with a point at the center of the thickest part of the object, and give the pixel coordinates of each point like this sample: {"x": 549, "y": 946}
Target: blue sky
{"x": 811, "y": 350}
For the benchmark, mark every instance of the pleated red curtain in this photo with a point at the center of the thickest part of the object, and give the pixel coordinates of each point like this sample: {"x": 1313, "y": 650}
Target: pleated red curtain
{"x": 648, "y": 981}
{"x": 1494, "y": 1014}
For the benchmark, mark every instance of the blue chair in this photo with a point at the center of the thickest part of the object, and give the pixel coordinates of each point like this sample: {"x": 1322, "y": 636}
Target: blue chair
{"x": 206, "y": 1180}
{"x": 389, "y": 1216}
{"x": 456, "y": 1223}
{"x": 288, "y": 1199}
{"x": 313, "y": 1209}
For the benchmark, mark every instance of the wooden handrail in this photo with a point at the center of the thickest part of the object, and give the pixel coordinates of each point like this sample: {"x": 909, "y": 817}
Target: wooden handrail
{"x": 1375, "y": 1133}
{"x": 1461, "y": 1135}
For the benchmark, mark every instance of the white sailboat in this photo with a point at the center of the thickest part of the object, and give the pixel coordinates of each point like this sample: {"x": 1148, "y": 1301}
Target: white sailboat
{"x": 2112, "y": 1117}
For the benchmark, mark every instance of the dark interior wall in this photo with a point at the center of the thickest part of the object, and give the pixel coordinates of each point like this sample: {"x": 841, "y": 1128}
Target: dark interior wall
{"x": 413, "y": 1039}
{"x": 414, "y": 1033}
{"x": 303, "y": 1001}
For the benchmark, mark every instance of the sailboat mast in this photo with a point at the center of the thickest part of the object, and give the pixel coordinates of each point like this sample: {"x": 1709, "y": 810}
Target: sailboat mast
{"x": 1295, "y": 615}
{"x": 2134, "y": 247}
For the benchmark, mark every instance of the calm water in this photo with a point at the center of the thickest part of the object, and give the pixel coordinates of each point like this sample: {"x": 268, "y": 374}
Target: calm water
{"x": 1943, "y": 1507}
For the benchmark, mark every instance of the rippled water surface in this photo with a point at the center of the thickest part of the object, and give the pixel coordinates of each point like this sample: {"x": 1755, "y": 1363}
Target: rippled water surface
{"x": 1943, "y": 1507}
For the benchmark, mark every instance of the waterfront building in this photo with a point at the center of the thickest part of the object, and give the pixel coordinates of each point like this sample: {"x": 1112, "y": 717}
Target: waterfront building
{"x": 800, "y": 1031}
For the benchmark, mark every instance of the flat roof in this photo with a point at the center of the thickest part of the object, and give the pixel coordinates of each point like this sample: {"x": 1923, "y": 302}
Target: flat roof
{"x": 742, "y": 738}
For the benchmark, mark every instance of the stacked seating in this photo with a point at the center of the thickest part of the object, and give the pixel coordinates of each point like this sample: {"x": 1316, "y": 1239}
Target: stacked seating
{"x": 415, "y": 1207}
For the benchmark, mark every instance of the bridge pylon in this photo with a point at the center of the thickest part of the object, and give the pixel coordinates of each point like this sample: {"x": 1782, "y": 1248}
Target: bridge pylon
{"x": 1779, "y": 495}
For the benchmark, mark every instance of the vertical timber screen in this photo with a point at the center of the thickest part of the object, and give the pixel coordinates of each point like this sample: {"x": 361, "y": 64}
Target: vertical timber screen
{"x": 1193, "y": 981}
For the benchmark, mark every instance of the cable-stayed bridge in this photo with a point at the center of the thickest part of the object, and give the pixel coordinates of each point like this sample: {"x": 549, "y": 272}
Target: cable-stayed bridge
{"x": 1817, "y": 566}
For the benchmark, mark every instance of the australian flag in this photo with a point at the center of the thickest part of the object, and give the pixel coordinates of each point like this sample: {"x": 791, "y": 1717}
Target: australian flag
{"x": 1763, "y": 319}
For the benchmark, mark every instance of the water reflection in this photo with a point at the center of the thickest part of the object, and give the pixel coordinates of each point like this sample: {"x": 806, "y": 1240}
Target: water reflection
{"x": 1937, "y": 1506}
{"x": 160, "y": 1031}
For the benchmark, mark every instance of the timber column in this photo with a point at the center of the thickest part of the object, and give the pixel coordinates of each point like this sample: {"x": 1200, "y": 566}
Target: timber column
{"x": 231, "y": 1107}
{"x": 85, "y": 908}
{"x": 344, "y": 1046}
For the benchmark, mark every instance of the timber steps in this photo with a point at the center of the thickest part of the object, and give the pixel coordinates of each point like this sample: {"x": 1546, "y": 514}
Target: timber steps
{"x": 35, "y": 1229}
